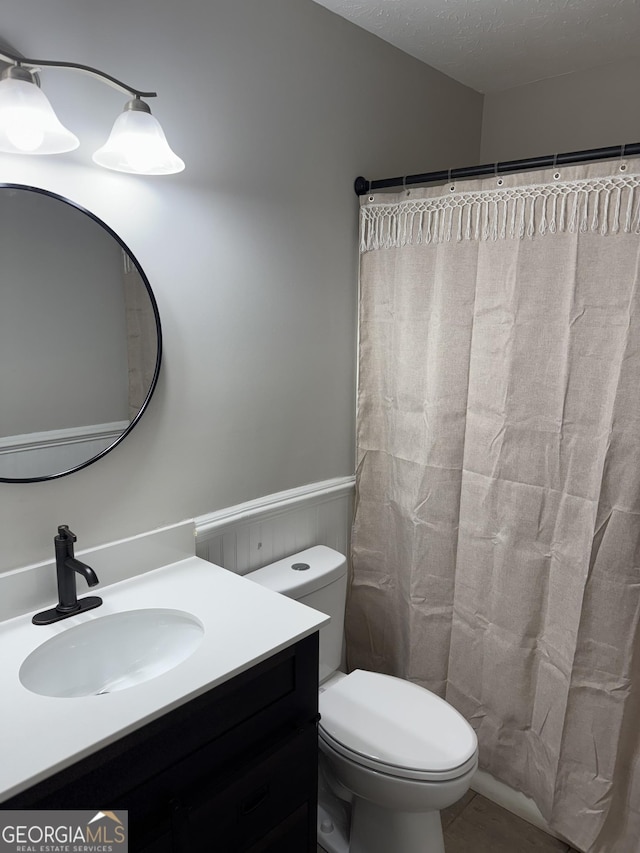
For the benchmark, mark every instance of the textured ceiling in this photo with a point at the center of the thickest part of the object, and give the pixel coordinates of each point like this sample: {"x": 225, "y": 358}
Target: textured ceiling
{"x": 492, "y": 45}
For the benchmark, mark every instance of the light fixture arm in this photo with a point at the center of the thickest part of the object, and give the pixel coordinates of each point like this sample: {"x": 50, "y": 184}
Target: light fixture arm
{"x": 87, "y": 69}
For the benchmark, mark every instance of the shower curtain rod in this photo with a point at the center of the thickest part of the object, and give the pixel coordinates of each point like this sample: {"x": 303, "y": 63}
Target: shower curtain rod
{"x": 362, "y": 185}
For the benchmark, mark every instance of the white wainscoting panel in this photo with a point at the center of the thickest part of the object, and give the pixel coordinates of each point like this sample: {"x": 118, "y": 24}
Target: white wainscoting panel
{"x": 248, "y": 536}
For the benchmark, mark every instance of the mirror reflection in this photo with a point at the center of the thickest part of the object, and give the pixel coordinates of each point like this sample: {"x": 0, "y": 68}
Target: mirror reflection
{"x": 80, "y": 341}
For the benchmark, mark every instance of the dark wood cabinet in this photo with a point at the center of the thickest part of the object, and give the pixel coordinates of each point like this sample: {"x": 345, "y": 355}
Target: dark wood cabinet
{"x": 234, "y": 770}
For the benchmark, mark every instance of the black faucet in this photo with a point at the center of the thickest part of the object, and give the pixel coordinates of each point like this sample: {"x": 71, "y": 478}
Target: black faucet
{"x": 66, "y": 568}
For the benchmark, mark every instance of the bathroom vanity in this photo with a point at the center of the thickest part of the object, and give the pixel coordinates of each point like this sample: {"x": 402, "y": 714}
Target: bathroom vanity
{"x": 234, "y": 769}
{"x": 218, "y": 753}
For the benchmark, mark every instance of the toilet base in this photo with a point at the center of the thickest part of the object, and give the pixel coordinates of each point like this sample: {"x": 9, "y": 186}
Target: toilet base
{"x": 375, "y": 831}
{"x": 378, "y": 830}
{"x": 333, "y": 833}
{"x": 372, "y": 829}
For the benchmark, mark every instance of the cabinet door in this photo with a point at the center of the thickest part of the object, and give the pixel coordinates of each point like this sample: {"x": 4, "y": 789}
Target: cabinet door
{"x": 291, "y": 835}
{"x": 269, "y": 807}
{"x": 162, "y": 844}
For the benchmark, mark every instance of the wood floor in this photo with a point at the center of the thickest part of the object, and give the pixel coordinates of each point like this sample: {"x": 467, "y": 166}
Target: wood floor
{"x": 476, "y": 825}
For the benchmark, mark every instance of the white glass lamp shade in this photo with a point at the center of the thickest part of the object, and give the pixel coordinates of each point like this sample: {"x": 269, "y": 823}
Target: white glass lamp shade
{"x": 28, "y": 124}
{"x": 137, "y": 144}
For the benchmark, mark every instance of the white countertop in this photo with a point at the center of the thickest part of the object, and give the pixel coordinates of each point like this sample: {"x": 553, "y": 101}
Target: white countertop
{"x": 244, "y": 623}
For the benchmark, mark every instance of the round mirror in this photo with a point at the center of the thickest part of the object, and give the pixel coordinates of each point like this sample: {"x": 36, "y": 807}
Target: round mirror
{"x": 80, "y": 337}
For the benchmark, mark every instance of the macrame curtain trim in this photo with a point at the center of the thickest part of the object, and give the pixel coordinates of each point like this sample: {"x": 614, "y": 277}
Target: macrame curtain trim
{"x": 601, "y": 205}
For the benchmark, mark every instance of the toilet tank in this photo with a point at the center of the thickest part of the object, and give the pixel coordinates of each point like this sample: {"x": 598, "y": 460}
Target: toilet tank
{"x": 316, "y": 577}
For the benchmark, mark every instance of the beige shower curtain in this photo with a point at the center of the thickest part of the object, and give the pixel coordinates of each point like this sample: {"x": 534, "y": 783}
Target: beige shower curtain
{"x": 142, "y": 337}
{"x": 496, "y": 543}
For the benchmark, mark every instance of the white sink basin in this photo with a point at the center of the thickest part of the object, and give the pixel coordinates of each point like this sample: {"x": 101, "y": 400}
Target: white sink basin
{"x": 112, "y": 653}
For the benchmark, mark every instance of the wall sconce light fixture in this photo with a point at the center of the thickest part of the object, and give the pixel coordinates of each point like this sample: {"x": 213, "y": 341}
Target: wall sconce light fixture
{"x": 29, "y": 125}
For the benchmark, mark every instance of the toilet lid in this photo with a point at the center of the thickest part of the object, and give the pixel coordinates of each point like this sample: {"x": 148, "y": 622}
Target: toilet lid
{"x": 392, "y": 722}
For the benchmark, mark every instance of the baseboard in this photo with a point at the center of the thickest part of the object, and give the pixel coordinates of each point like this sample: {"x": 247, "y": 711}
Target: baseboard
{"x": 513, "y": 801}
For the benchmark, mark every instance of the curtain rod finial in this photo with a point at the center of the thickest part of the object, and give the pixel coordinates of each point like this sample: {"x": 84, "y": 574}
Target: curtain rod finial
{"x": 361, "y": 185}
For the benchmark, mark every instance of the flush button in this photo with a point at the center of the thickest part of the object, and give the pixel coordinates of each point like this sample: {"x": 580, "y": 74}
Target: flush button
{"x": 300, "y": 567}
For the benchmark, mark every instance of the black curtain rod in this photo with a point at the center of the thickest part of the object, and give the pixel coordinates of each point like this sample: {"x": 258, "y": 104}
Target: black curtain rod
{"x": 362, "y": 185}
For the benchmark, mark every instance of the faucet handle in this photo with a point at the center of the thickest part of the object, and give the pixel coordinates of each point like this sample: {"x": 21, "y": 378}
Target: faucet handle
{"x": 65, "y": 533}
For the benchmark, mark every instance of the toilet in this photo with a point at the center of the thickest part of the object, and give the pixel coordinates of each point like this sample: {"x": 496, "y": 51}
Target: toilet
{"x": 392, "y": 754}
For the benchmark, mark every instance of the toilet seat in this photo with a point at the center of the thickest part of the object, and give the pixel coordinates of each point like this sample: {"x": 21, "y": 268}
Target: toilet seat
{"x": 396, "y": 727}
{"x": 399, "y": 772}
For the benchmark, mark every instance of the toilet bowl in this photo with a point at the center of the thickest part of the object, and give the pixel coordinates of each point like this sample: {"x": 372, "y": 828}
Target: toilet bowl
{"x": 393, "y": 754}
{"x": 402, "y": 753}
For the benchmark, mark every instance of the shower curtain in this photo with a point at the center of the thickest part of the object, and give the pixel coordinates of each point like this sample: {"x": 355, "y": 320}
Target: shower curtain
{"x": 496, "y": 541}
{"x": 142, "y": 340}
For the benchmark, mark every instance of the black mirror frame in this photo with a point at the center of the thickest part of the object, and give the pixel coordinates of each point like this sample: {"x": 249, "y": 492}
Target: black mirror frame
{"x": 156, "y": 315}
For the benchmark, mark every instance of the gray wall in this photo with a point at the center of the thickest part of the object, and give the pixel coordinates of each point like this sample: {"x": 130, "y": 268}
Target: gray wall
{"x": 275, "y": 105}
{"x": 591, "y": 109}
